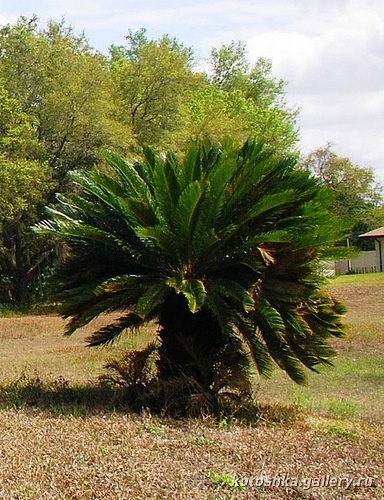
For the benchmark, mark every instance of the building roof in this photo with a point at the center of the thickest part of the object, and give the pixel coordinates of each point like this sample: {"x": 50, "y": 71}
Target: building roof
{"x": 375, "y": 233}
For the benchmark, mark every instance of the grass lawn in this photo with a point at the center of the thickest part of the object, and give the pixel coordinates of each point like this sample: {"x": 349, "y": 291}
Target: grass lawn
{"x": 322, "y": 441}
{"x": 359, "y": 279}
{"x": 354, "y": 386}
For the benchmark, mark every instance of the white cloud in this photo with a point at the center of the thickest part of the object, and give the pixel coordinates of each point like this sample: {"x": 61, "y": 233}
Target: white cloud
{"x": 335, "y": 72}
{"x": 331, "y": 52}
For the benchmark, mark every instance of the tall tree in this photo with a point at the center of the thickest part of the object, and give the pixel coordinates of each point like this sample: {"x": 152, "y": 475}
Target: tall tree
{"x": 61, "y": 92}
{"x": 23, "y": 183}
{"x": 272, "y": 120}
{"x": 222, "y": 248}
{"x": 151, "y": 78}
{"x": 355, "y": 190}
{"x": 167, "y": 102}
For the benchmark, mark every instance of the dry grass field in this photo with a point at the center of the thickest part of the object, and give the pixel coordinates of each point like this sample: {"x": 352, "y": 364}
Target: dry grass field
{"x": 62, "y": 438}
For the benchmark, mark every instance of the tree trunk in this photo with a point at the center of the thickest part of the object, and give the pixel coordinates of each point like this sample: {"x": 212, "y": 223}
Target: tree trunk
{"x": 15, "y": 265}
{"x": 190, "y": 342}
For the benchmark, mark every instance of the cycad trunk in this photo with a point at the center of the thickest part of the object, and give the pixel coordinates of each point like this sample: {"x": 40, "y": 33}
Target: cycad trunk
{"x": 190, "y": 342}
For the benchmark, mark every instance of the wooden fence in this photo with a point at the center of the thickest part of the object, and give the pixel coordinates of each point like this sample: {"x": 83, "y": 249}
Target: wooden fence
{"x": 366, "y": 262}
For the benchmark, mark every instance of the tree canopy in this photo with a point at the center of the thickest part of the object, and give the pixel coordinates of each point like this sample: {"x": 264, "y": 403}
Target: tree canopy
{"x": 269, "y": 116}
{"x": 57, "y": 115}
{"x": 355, "y": 191}
{"x": 63, "y": 103}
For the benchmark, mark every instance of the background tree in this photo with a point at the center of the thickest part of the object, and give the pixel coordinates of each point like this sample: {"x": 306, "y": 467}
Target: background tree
{"x": 271, "y": 119}
{"x": 355, "y": 190}
{"x": 57, "y": 115}
{"x": 222, "y": 248}
{"x": 209, "y": 113}
{"x": 75, "y": 102}
{"x": 23, "y": 183}
{"x": 167, "y": 102}
{"x": 152, "y": 78}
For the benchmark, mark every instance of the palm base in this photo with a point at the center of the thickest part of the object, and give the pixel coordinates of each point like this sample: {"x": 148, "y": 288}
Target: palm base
{"x": 190, "y": 343}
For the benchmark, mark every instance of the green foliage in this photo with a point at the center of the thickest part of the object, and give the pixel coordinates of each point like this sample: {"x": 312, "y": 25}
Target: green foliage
{"x": 64, "y": 89}
{"x": 56, "y": 114}
{"x": 22, "y": 178}
{"x": 62, "y": 104}
{"x": 167, "y": 102}
{"x": 213, "y": 113}
{"x": 222, "y": 247}
{"x": 229, "y": 65}
{"x": 263, "y": 110}
{"x": 355, "y": 192}
{"x": 151, "y": 79}
{"x": 22, "y": 182}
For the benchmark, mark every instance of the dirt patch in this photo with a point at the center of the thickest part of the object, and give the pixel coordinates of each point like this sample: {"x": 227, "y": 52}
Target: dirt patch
{"x": 364, "y": 300}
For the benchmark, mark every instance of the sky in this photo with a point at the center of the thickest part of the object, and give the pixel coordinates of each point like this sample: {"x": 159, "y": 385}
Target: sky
{"x": 329, "y": 52}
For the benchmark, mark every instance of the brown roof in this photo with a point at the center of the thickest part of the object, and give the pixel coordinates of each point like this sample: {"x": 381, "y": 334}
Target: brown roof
{"x": 375, "y": 233}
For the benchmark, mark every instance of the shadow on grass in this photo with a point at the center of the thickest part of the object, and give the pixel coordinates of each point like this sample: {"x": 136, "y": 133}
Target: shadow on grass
{"x": 57, "y": 397}
{"x": 60, "y": 398}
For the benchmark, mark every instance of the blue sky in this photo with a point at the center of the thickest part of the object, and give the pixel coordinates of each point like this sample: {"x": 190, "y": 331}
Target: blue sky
{"x": 330, "y": 52}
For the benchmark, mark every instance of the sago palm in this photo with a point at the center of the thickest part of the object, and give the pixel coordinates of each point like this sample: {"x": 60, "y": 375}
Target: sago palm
{"x": 221, "y": 248}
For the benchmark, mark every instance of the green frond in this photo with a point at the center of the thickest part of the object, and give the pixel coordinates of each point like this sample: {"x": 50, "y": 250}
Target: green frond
{"x": 233, "y": 369}
{"x": 127, "y": 282}
{"x": 264, "y": 237}
{"x": 204, "y": 250}
{"x": 151, "y": 159}
{"x": 82, "y": 313}
{"x": 272, "y": 329}
{"x": 267, "y": 206}
{"x": 326, "y": 317}
{"x": 160, "y": 237}
{"x": 252, "y": 338}
{"x": 108, "y": 334}
{"x": 142, "y": 212}
{"x": 185, "y": 212}
{"x": 285, "y": 291}
{"x": 193, "y": 290}
{"x": 75, "y": 231}
{"x": 240, "y": 298}
{"x": 253, "y": 263}
{"x": 153, "y": 295}
{"x": 166, "y": 188}
{"x": 192, "y": 170}
{"x": 310, "y": 349}
{"x": 339, "y": 253}
{"x": 128, "y": 175}
{"x": 221, "y": 311}
{"x": 211, "y": 154}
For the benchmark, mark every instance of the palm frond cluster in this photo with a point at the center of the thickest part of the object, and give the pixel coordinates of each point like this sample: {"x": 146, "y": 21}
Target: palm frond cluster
{"x": 221, "y": 247}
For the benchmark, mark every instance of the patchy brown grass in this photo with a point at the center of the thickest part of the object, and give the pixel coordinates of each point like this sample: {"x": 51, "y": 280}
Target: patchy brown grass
{"x": 37, "y": 344}
{"x": 122, "y": 456}
{"x": 353, "y": 387}
{"x": 298, "y": 445}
